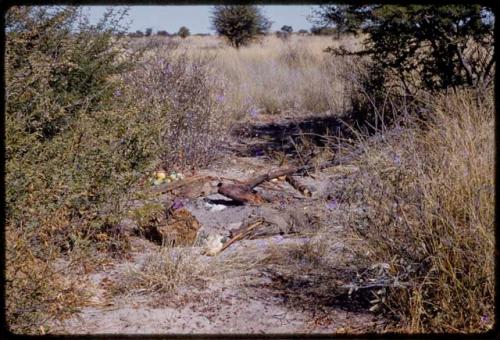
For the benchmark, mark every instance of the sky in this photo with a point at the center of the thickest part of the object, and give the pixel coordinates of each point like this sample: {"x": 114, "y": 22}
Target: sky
{"x": 197, "y": 18}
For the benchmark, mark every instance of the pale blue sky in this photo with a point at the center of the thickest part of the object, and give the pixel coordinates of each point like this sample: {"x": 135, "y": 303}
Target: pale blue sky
{"x": 197, "y": 18}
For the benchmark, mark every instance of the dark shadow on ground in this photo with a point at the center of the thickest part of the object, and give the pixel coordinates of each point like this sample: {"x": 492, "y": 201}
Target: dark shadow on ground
{"x": 288, "y": 135}
{"x": 318, "y": 291}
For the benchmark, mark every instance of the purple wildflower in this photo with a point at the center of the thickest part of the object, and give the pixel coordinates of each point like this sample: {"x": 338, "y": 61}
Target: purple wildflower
{"x": 333, "y": 204}
{"x": 397, "y": 159}
{"x": 177, "y": 204}
{"x": 253, "y": 112}
{"x": 220, "y": 98}
{"x": 118, "y": 93}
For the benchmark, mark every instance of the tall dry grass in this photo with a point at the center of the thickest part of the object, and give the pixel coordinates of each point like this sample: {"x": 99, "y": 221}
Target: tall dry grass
{"x": 276, "y": 75}
{"x": 423, "y": 204}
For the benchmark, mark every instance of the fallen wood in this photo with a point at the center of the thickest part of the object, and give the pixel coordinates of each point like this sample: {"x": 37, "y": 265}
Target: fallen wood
{"x": 240, "y": 193}
{"x": 246, "y": 231}
{"x": 166, "y": 187}
{"x": 298, "y": 186}
{"x": 191, "y": 188}
{"x": 252, "y": 183}
{"x": 243, "y": 192}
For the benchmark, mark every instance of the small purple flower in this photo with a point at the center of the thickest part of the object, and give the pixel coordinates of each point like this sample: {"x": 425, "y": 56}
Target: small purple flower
{"x": 259, "y": 152}
{"x": 397, "y": 159}
{"x": 118, "y": 93}
{"x": 484, "y": 318}
{"x": 220, "y": 98}
{"x": 253, "y": 112}
{"x": 333, "y": 204}
{"x": 177, "y": 204}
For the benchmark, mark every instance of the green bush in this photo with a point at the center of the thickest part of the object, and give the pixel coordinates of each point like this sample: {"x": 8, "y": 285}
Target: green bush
{"x": 72, "y": 150}
{"x": 411, "y": 49}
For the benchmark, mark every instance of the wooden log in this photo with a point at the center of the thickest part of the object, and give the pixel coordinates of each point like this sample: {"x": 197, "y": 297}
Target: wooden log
{"x": 166, "y": 187}
{"x": 242, "y": 192}
{"x": 298, "y": 186}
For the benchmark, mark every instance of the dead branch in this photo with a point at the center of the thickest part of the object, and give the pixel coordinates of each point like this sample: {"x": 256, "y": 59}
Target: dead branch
{"x": 298, "y": 186}
{"x": 240, "y": 193}
{"x": 167, "y": 187}
{"x": 245, "y": 232}
{"x": 243, "y": 192}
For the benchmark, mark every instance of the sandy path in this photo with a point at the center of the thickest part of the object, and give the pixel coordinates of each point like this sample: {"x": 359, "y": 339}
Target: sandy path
{"x": 236, "y": 300}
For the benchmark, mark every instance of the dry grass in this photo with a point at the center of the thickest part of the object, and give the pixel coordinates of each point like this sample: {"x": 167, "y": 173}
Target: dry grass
{"x": 275, "y": 76}
{"x": 424, "y": 204}
{"x": 161, "y": 272}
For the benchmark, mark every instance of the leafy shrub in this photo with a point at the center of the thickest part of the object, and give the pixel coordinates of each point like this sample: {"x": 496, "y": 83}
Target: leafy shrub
{"x": 66, "y": 172}
{"x": 413, "y": 49}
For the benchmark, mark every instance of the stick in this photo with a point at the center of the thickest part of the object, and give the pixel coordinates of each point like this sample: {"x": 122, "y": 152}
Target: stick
{"x": 243, "y": 192}
{"x": 166, "y": 187}
{"x": 298, "y": 186}
{"x": 242, "y": 234}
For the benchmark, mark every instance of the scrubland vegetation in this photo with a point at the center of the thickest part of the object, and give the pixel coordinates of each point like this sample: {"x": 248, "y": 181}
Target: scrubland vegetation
{"x": 90, "y": 115}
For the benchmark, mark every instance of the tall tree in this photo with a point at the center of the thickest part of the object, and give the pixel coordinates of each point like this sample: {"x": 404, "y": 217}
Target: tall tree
{"x": 183, "y": 32}
{"x": 239, "y": 24}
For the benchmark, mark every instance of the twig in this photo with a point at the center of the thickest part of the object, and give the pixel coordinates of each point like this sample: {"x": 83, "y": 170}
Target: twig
{"x": 245, "y": 232}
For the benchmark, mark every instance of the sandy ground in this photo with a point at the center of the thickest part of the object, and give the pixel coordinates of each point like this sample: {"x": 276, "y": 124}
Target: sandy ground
{"x": 242, "y": 298}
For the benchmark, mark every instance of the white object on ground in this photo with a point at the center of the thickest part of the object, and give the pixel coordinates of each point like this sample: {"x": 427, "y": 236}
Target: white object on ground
{"x": 215, "y": 207}
{"x": 213, "y": 245}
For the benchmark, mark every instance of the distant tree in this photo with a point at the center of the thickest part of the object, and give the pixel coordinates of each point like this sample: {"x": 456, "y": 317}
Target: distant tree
{"x": 316, "y": 30}
{"x": 148, "y": 32}
{"x": 162, "y": 33}
{"x": 285, "y": 32}
{"x": 183, "y": 32}
{"x": 239, "y": 24}
{"x": 139, "y": 34}
{"x": 303, "y": 32}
